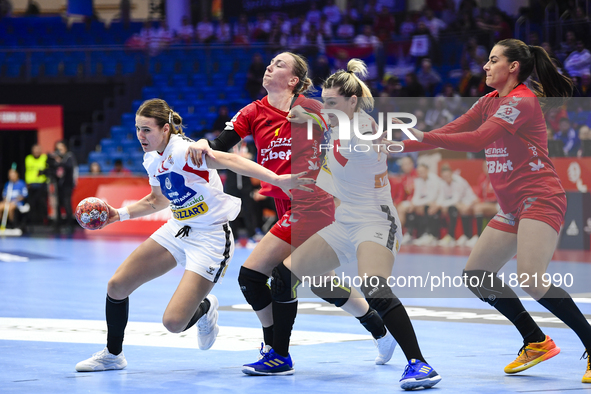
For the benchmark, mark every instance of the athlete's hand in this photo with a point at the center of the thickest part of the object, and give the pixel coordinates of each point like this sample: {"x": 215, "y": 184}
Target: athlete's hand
{"x": 391, "y": 146}
{"x": 196, "y": 150}
{"x": 113, "y": 215}
{"x": 417, "y": 133}
{"x": 298, "y": 115}
{"x": 294, "y": 181}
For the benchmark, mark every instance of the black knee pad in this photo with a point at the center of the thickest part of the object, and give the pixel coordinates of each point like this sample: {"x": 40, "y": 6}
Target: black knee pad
{"x": 485, "y": 285}
{"x": 333, "y": 292}
{"x": 453, "y": 211}
{"x": 254, "y": 287}
{"x": 379, "y": 297}
{"x": 284, "y": 284}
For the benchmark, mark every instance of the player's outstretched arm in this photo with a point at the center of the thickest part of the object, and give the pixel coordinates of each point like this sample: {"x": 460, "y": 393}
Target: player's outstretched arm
{"x": 196, "y": 151}
{"x": 246, "y": 167}
{"x": 153, "y": 202}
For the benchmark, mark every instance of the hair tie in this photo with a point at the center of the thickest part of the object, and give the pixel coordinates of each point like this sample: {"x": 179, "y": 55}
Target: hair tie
{"x": 170, "y": 117}
{"x": 350, "y": 72}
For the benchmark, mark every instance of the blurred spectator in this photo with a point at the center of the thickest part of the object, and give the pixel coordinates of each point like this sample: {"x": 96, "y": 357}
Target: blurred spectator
{"x": 346, "y": 30}
{"x": 487, "y": 206}
{"x": 413, "y": 88}
{"x": 254, "y": 76}
{"x": 384, "y": 25}
{"x": 436, "y": 5}
{"x": 277, "y": 39}
{"x": 325, "y": 28}
{"x": 13, "y": 196}
{"x": 370, "y": 10}
{"x": 284, "y": 24}
{"x": 455, "y": 199}
{"x": 534, "y": 39}
{"x": 453, "y": 101}
{"x": 261, "y": 28}
{"x": 32, "y": 8}
{"x": 223, "y": 32}
{"x": 294, "y": 40}
{"x": 242, "y": 30}
{"x": 428, "y": 77}
{"x": 313, "y": 15}
{"x": 585, "y": 137}
{"x": 163, "y": 35}
{"x": 433, "y": 115}
{"x": 320, "y": 70}
{"x": 36, "y": 179}
{"x": 367, "y": 38}
{"x": 95, "y": 168}
{"x": 465, "y": 25}
{"x": 421, "y": 44}
{"x": 407, "y": 27}
{"x": 205, "y": 31}
{"x": 553, "y": 117}
{"x": 473, "y": 56}
{"x": 568, "y": 45}
{"x": 579, "y": 61}
{"x": 5, "y": 8}
{"x": 119, "y": 169}
{"x": 353, "y": 13}
{"x": 219, "y": 123}
{"x": 497, "y": 26}
{"x": 332, "y": 12}
{"x": 66, "y": 172}
{"x": 186, "y": 32}
{"x": 569, "y": 138}
{"x": 449, "y": 14}
{"x": 402, "y": 189}
{"x": 420, "y": 217}
{"x": 434, "y": 24}
{"x": 313, "y": 43}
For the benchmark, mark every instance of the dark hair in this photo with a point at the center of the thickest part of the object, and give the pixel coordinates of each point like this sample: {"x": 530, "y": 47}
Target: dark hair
{"x": 349, "y": 84}
{"x": 550, "y": 83}
{"x": 300, "y": 70}
{"x": 159, "y": 110}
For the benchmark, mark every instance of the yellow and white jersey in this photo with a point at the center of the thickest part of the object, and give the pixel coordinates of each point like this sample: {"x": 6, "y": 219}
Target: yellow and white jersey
{"x": 196, "y": 193}
{"x": 356, "y": 176}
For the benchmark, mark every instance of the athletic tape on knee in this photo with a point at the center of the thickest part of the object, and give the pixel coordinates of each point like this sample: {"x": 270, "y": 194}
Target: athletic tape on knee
{"x": 379, "y": 297}
{"x": 284, "y": 284}
{"x": 333, "y": 292}
{"x": 486, "y": 286}
{"x": 255, "y": 289}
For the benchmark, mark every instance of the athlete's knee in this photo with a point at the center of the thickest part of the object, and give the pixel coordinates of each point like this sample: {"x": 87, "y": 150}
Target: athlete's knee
{"x": 174, "y": 323}
{"x": 484, "y": 284}
{"x": 254, "y": 287}
{"x": 333, "y": 292}
{"x": 284, "y": 284}
{"x": 117, "y": 289}
{"x": 380, "y": 296}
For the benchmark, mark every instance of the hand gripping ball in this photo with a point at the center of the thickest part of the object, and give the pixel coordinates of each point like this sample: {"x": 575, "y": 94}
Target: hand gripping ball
{"x": 92, "y": 213}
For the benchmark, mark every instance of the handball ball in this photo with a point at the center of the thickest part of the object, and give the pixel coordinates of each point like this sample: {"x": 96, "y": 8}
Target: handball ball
{"x": 92, "y": 213}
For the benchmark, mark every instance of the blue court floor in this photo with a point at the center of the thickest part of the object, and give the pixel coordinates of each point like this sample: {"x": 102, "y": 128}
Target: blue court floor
{"x": 52, "y": 299}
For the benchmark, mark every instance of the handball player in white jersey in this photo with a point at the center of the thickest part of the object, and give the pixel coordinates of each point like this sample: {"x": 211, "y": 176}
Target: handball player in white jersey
{"x": 198, "y": 237}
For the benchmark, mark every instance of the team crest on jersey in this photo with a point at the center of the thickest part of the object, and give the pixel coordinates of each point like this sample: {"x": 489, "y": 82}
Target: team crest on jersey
{"x": 170, "y": 159}
{"x": 507, "y": 113}
{"x": 167, "y": 183}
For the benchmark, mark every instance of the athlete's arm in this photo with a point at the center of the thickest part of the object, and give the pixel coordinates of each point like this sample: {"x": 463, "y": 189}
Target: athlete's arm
{"x": 249, "y": 168}
{"x": 472, "y": 141}
{"x": 153, "y": 202}
{"x": 227, "y": 139}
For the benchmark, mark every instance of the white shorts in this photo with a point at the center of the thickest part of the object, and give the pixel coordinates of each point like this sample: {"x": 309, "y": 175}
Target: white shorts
{"x": 205, "y": 252}
{"x": 382, "y": 227}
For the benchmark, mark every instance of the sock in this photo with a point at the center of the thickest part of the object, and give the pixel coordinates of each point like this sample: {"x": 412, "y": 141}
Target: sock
{"x": 373, "y": 323}
{"x": 453, "y": 220}
{"x": 400, "y": 327}
{"x": 467, "y": 224}
{"x": 559, "y": 302}
{"x": 116, "y": 312}
{"x": 284, "y": 315}
{"x": 268, "y": 335}
{"x": 479, "y": 222}
{"x": 528, "y": 328}
{"x": 202, "y": 309}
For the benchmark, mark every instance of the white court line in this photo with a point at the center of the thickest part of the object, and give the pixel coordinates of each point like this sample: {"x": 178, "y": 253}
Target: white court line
{"x": 150, "y": 334}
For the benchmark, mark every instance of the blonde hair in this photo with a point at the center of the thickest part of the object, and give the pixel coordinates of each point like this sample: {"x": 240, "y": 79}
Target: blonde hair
{"x": 350, "y": 84}
{"x": 159, "y": 110}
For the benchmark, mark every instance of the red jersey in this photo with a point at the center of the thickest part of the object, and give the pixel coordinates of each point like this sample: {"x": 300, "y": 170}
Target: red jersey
{"x": 283, "y": 147}
{"x": 512, "y": 132}
{"x": 405, "y": 187}
{"x": 485, "y": 191}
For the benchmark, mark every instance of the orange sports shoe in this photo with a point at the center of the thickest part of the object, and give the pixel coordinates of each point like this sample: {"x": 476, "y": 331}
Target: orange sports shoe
{"x": 587, "y": 376}
{"x": 532, "y": 354}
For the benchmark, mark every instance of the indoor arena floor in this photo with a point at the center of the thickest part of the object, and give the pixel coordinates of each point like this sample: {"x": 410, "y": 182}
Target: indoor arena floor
{"x": 52, "y": 297}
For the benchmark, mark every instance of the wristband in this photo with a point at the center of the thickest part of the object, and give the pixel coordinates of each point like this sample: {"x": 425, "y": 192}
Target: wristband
{"x": 123, "y": 214}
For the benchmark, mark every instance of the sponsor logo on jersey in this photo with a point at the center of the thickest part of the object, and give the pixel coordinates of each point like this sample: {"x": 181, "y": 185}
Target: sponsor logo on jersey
{"x": 381, "y": 180}
{"x": 508, "y": 113}
{"x": 536, "y": 166}
{"x": 173, "y": 187}
{"x": 497, "y": 166}
{"x": 190, "y": 212}
{"x": 273, "y": 151}
{"x": 496, "y": 152}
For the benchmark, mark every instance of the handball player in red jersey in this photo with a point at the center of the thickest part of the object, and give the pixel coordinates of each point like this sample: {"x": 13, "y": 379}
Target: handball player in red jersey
{"x": 509, "y": 125}
{"x": 284, "y": 147}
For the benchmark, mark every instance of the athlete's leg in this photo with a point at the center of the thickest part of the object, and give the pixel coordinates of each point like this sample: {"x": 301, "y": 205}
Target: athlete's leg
{"x": 537, "y": 241}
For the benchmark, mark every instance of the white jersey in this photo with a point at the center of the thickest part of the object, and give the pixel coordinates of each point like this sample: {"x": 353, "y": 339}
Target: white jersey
{"x": 426, "y": 191}
{"x": 196, "y": 193}
{"x": 356, "y": 175}
{"x": 459, "y": 191}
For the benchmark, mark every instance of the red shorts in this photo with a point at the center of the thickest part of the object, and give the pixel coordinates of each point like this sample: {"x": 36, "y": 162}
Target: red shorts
{"x": 300, "y": 223}
{"x": 549, "y": 210}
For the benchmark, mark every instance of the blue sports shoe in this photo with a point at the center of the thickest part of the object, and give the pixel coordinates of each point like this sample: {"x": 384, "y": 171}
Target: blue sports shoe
{"x": 270, "y": 364}
{"x": 418, "y": 374}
